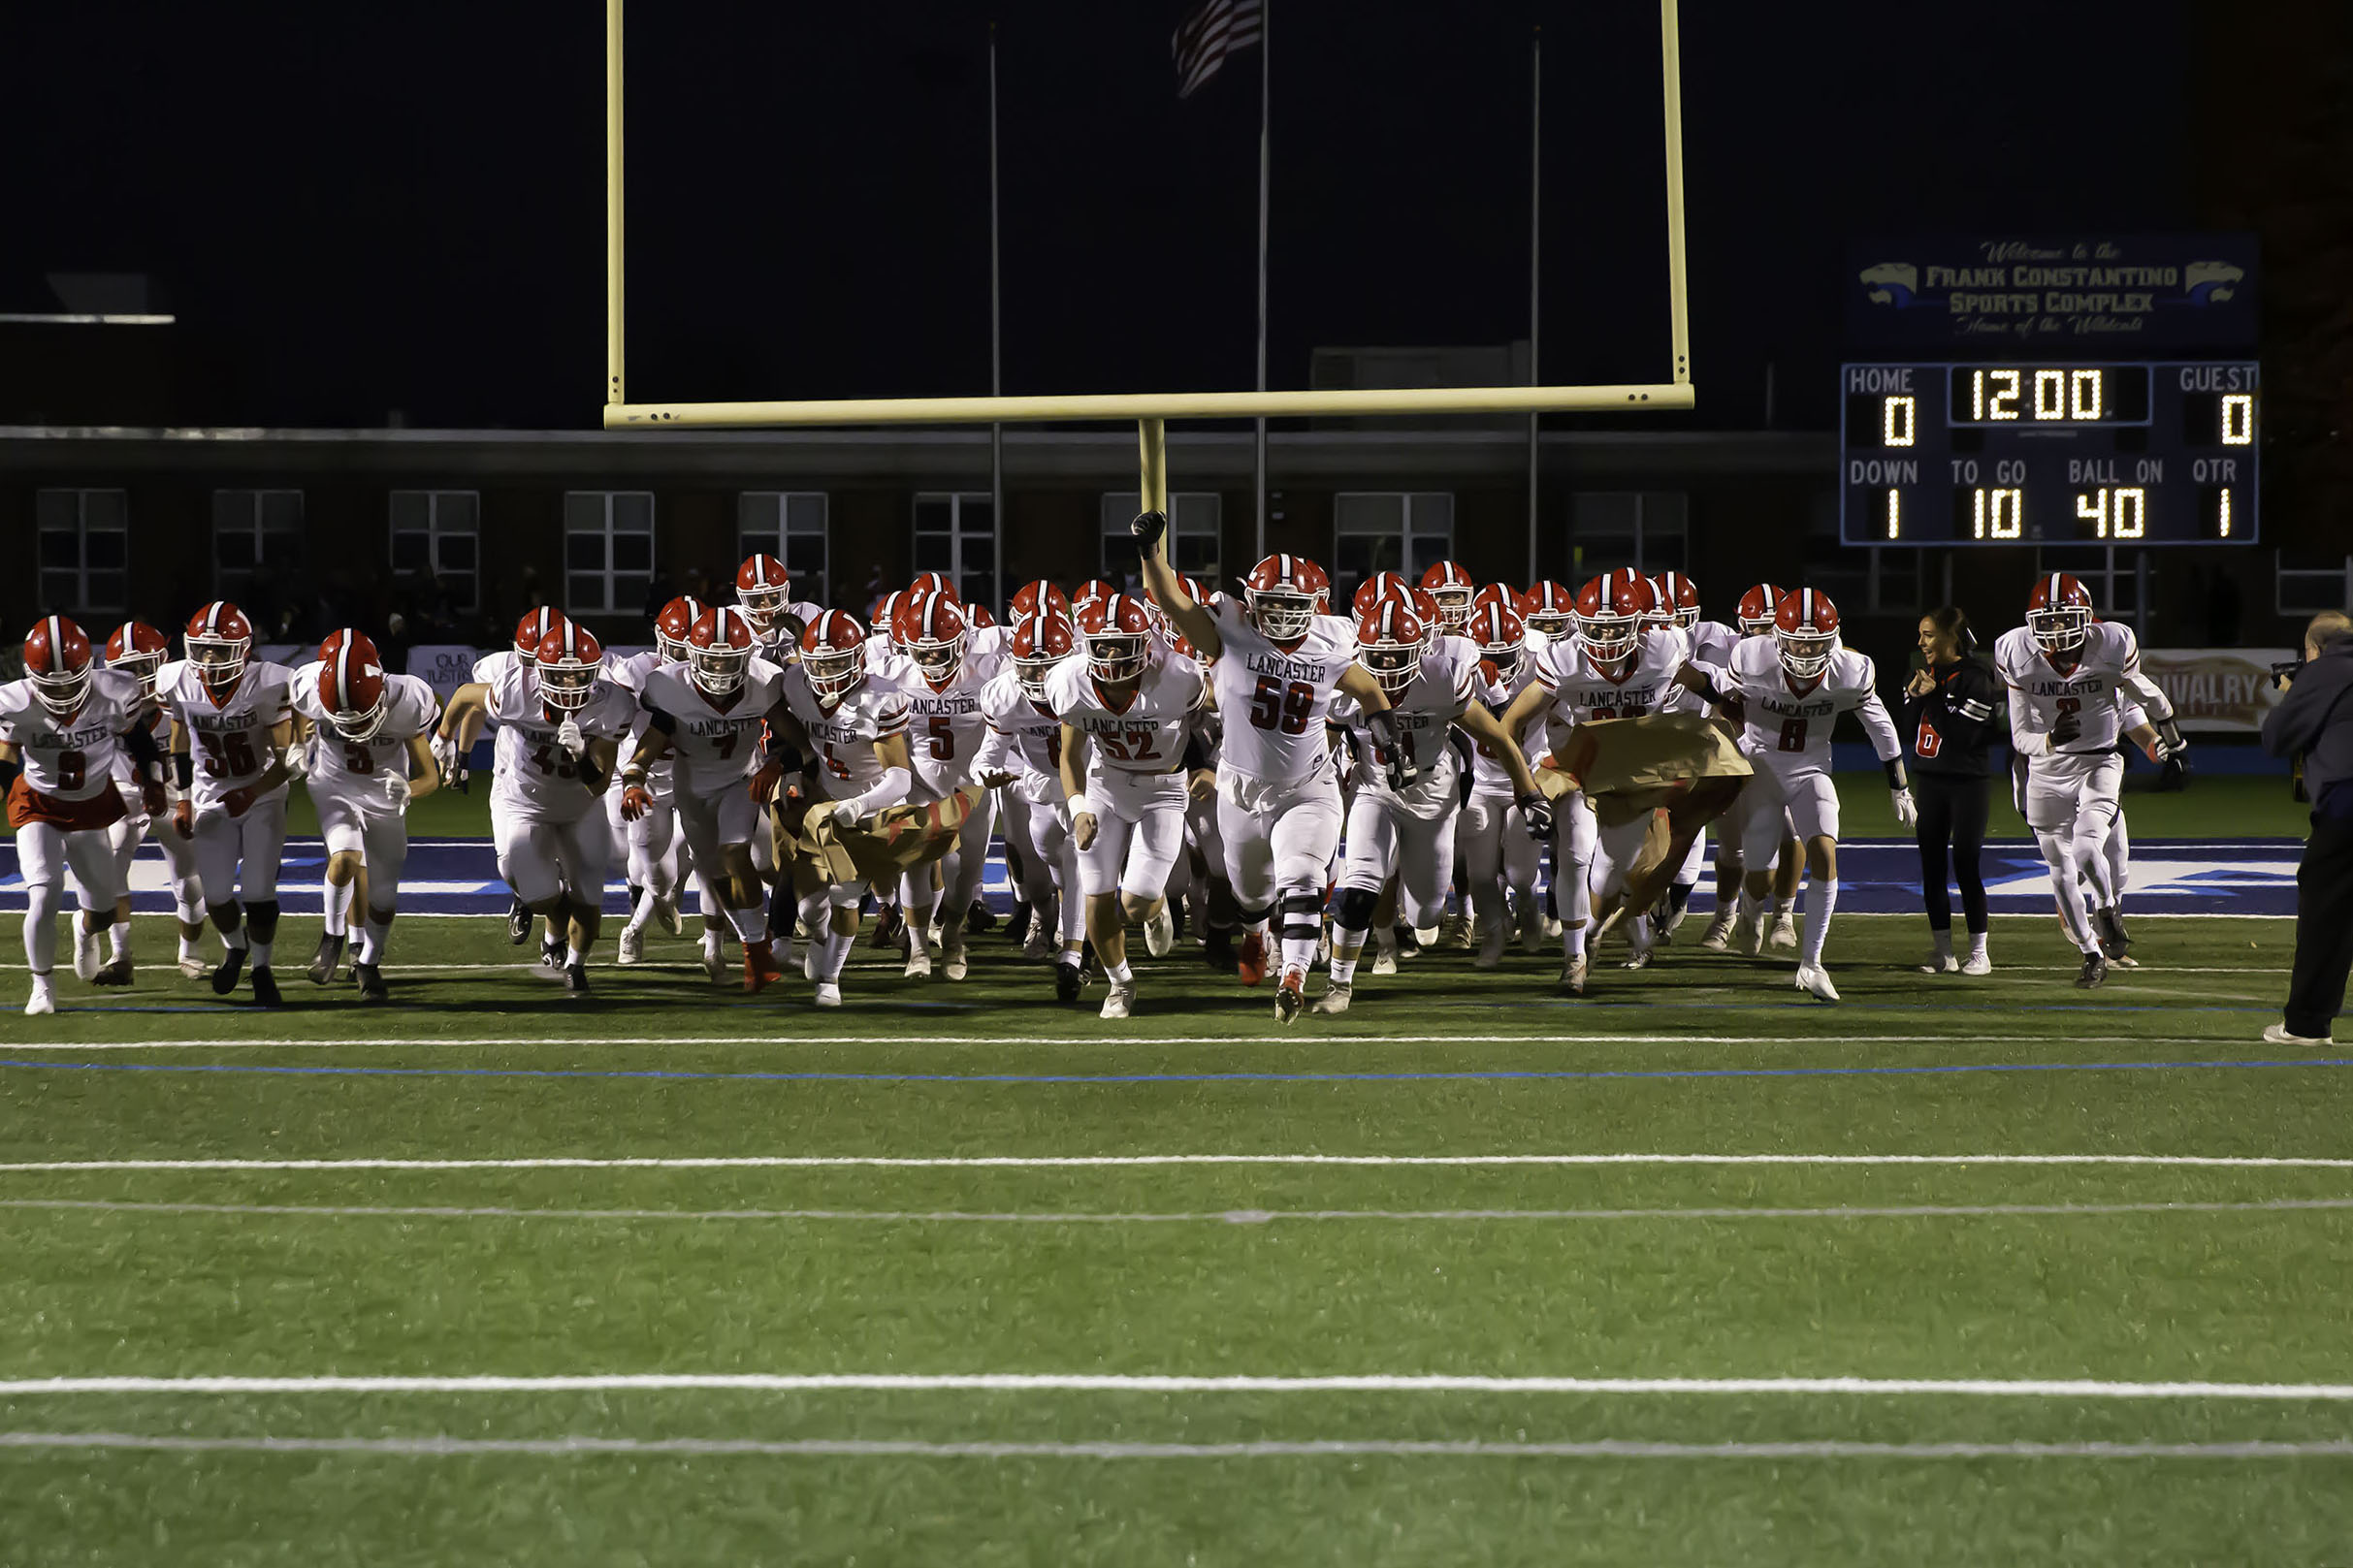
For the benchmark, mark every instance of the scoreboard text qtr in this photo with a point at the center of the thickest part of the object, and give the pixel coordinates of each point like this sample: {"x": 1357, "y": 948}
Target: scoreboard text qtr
{"x": 2052, "y": 453}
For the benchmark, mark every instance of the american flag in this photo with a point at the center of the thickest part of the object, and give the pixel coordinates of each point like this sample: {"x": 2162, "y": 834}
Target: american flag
{"x": 1214, "y": 30}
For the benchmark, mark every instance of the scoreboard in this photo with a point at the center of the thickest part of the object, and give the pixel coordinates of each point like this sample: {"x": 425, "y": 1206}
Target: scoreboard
{"x": 2057, "y": 452}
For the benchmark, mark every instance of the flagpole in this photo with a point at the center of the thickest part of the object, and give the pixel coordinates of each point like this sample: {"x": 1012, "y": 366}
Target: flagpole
{"x": 1535, "y": 240}
{"x": 1266, "y": 78}
{"x": 996, "y": 318}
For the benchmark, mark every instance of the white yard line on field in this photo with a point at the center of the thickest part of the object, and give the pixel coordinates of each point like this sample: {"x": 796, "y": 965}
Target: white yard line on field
{"x": 1158, "y": 1382}
{"x": 1058, "y": 1162}
{"x": 1108, "y": 1037}
{"x": 1233, "y": 1216}
{"x": 828, "y": 1447}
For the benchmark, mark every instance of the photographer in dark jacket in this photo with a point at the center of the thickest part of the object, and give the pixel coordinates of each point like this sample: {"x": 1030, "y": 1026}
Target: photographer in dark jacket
{"x": 1951, "y": 728}
{"x": 2314, "y": 720}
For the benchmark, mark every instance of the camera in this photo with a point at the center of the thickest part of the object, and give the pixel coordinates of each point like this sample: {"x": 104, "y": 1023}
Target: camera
{"x": 2283, "y": 673}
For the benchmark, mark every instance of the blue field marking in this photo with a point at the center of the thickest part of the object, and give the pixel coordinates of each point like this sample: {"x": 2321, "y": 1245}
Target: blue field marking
{"x": 1107, "y": 1080}
{"x": 1876, "y": 877}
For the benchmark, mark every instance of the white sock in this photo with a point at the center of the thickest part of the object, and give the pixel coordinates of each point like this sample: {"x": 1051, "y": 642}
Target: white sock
{"x": 573, "y": 957}
{"x": 712, "y": 942}
{"x": 338, "y": 909}
{"x": 1346, "y": 947}
{"x": 261, "y": 953}
{"x": 639, "y": 913}
{"x": 1943, "y": 937}
{"x": 236, "y": 938}
{"x": 835, "y": 948}
{"x": 1817, "y": 919}
{"x": 191, "y": 946}
{"x": 1120, "y": 973}
{"x": 118, "y": 940}
{"x": 373, "y": 935}
{"x": 1976, "y": 944}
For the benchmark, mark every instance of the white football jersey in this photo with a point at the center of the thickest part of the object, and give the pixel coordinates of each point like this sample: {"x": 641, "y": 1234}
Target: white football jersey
{"x": 1788, "y": 728}
{"x": 490, "y": 666}
{"x": 1488, "y": 775}
{"x": 1445, "y": 686}
{"x": 73, "y": 758}
{"x": 945, "y": 725}
{"x": 354, "y": 771}
{"x": 2104, "y": 677}
{"x": 1144, "y": 736}
{"x": 1276, "y": 703}
{"x": 1024, "y": 737}
{"x": 150, "y": 718}
{"x": 845, "y": 734}
{"x": 713, "y": 747}
{"x": 1582, "y": 691}
{"x": 1712, "y": 641}
{"x": 229, "y": 737}
{"x": 534, "y": 779}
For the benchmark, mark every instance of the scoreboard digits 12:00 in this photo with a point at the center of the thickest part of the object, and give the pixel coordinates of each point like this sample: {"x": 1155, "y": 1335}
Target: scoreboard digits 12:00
{"x": 2137, "y": 453}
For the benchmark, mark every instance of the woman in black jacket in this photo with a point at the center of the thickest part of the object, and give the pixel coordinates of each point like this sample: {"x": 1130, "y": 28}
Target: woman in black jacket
{"x": 1951, "y": 712}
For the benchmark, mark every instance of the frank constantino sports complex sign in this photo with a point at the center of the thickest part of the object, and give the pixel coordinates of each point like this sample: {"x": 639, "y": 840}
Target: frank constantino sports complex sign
{"x": 2006, "y": 293}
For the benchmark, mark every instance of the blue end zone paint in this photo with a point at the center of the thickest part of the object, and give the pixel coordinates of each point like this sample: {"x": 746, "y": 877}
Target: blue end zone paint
{"x": 1120, "y": 1078}
{"x": 1876, "y": 877}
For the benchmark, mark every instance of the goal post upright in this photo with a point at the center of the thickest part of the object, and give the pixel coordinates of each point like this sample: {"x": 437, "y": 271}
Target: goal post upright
{"x": 1150, "y": 410}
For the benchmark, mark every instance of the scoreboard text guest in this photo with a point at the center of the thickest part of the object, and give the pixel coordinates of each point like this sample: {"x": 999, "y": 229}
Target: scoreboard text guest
{"x": 2141, "y": 452}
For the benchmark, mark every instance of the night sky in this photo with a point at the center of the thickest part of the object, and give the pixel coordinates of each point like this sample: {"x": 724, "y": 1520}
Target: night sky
{"x": 357, "y": 210}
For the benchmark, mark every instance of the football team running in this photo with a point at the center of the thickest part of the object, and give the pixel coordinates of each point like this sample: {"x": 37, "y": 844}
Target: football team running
{"x": 1288, "y": 786}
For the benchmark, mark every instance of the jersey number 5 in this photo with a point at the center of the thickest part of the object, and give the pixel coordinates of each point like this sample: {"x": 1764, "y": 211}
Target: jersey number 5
{"x": 1276, "y": 706}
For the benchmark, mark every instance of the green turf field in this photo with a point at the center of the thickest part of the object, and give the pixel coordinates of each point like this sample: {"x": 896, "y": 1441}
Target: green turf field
{"x": 1420, "y": 1194}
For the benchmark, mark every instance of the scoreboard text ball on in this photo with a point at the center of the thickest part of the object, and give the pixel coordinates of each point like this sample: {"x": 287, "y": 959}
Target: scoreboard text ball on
{"x": 2051, "y": 452}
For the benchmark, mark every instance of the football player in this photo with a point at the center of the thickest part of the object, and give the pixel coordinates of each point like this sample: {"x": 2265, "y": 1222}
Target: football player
{"x": 1022, "y": 758}
{"x": 457, "y": 766}
{"x": 705, "y": 716}
{"x": 1433, "y": 686}
{"x": 1451, "y": 589}
{"x": 856, "y": 726}
{"x": 1031, "y": 928}
{"x": 1788, "y": 696}
{"x": 763, "y": 593}
{"x": 1124, "y": 708}
{"x": 650, "y": 840}
{"x": 1752, "y": 616}
{"x": 139, "y": 650}
{"x": 1500, "y": 856}
{"x": 1611, "y": 666}
{"x": 561, "y": 723}
{"x": 1276, "y": 662}
{"x": 2069, "y": 678}
{"x": 941, "y": 678}
{"x": 233, "y": 712}
{"x": 60, "y": 728}
{"x": 1675, "y": 603}
{"x": 371, "y": 755}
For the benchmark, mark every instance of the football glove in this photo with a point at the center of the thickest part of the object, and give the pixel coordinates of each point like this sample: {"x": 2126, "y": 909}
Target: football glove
{"x": 570, "y": 738}
{"x": 445, "y": 754}
{"x": 1535, "y": 815}
{"x": 395, "y": 792}
{"x": 1148, "y": 528}
{"x": 1395, "y": 751}
{"x": 636, "y": 802}
{"x": 1907, "y": 810}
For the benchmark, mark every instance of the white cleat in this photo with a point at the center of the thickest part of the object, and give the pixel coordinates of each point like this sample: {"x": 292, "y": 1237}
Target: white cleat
{"x": 828, "y": 994}
{"x": 665, "y": 914}
{"x": 715, "y": 961}
{"x": 1335, "y": 998}
{"x": 1455, "y": 933}
{"x": 1552, "y": 928}
{"x": 1572, "y": 974}
{"x": 1747, "y": 936}
{"x": 1159, "y": 932}
{"x": 89, "y": 952}
{"x": 1040, "y": 944}
{"x": 632, "y": 948}
{"x": 192, "y": 966}
{"x": 42, "y": 1001}
{"x": 1977, "y": 964}
{"x": 919, "y": 963}
{"x": 1940, "y": 964}
{"x": 1719, "y": 932}
{"x": 2277, "y": 1034}
{"x": 952, "y": 963}
{"x": 1122, "y": 998}
{"x": 1784, "y": 931}
{"x": 1816, "y": 982}
{"x": 1384, "y": 962}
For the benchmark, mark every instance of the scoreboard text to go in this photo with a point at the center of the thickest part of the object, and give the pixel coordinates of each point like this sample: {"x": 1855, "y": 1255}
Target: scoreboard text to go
{"x": 2052, "y": 453}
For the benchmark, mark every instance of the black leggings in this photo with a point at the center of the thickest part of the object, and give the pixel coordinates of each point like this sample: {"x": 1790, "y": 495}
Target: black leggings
{"x": 1953, "y": 820}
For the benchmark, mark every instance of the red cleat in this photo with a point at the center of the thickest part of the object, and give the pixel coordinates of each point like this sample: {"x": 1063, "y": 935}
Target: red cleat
{"x": 1250, "y": 961}
{"x": 760, "y": 966}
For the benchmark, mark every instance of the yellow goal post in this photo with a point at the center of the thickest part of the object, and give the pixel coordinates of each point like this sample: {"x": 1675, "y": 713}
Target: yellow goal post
{"x": 1149, "y": 409}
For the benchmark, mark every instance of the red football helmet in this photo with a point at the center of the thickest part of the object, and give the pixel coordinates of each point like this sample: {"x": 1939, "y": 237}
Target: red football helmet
{"x": 719, "y": 651}
{"x": 1758, "y": 608}
{"x": 1610, "y": 612}
{"x": 1285, "y": 594}
{"x": 833, "y": 655}
{"x": 531, "y": 630}
{"x": 1548, "y": 609}
{"x": 1118, "y": 636}
{"x": 570, "y": 658}
{"x": 2058, "y": 613}
{"x": 763, "y": 589}
{"x": 980, "y": 617}
{"x": 1805, "y": 629}
{"x": 351, "y": 684}
{"x": 1036, "y": 596}
{"x": 138, "y": 650}
{"x": 1376, "y": 587}
{"x": 935, "y": 583}
{"x": 1502, "y": 594}
{"x": 1495, "y": 629}
{"x": 219, "y": 638}
{"x": 676, "y": 624}
{"x": 1389, "y": 641}
{"x": 57, "y": 661}
{"x": 885, "y": 610}
{"x": 1094, "y": 588}
{"x": 1039, "y": 642}
{"x": 1451, "y": 585}
{"x": 1675, "y": 601}
{"x": 929, "y": 629}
